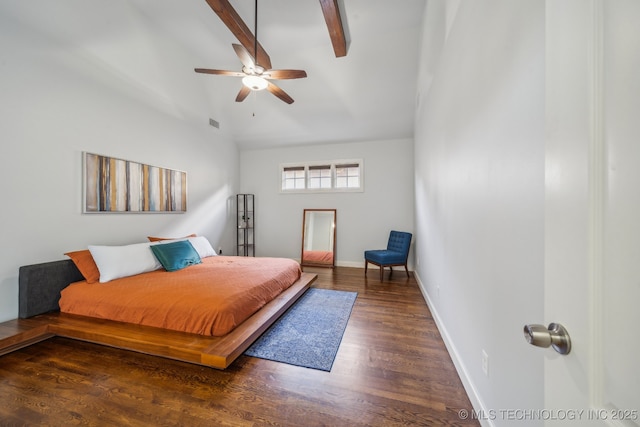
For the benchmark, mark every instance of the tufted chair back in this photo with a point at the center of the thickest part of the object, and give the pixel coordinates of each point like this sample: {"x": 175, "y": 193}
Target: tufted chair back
{"x": 399, "y": 241}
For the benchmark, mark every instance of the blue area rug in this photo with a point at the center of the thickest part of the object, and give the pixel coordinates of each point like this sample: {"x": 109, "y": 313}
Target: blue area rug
{"x": 310, "y": 332}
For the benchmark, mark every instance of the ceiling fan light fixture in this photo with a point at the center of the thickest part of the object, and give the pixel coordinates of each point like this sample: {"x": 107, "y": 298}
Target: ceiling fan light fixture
{"x": 255, "y": 82}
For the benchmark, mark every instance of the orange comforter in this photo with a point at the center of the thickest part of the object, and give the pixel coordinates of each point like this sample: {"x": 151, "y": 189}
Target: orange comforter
{"x": 211, "y": 298}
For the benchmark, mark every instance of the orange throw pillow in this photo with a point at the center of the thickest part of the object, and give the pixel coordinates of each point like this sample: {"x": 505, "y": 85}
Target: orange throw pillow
{"x": 85, "y": 263}
{"x": 157, "y": 239}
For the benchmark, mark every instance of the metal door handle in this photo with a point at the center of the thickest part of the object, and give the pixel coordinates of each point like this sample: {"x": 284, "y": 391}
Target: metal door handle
{"x": 555, "y": 336}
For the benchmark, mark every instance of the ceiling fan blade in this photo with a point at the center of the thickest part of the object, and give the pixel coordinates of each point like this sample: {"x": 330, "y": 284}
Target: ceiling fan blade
{"x": 244, "y": 56}
{"x": 284, "y": 74}
{"x": 219, "y": 72}
{"x": 279, "y": 93}
{"x": 238, "y": 28}
{"x": 244, "y": 92}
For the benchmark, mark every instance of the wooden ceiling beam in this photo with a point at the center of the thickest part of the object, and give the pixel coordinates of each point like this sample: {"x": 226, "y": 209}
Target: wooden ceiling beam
{"x": 239, "y": 29}
{"x": 332, "y": 17}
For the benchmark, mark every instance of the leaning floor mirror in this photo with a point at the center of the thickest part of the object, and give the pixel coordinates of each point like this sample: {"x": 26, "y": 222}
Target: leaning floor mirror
{"x": 318, "y": 238}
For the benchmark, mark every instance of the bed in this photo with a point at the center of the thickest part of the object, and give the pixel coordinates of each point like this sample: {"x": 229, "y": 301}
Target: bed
{"x": 216, "y": 341}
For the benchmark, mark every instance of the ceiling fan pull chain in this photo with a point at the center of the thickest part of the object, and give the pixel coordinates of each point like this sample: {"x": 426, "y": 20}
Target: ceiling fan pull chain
{"x": 253, "y": 104}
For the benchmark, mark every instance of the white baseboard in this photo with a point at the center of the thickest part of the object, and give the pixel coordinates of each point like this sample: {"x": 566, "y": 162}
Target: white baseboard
{"x": 354, "y": 264}
{"x": 474, "y": 397}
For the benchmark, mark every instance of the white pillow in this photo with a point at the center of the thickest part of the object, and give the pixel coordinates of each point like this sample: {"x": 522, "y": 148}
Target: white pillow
{"x": 202, "y": 246}
{"x": 121, "y": 261}
{"x": 199, "y": 243}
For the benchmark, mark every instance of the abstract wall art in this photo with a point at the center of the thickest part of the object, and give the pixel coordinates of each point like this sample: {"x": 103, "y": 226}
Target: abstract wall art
{"x": 116, "y": 185}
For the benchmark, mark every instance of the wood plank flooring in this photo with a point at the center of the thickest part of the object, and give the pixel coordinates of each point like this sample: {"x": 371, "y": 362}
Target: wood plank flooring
{"x": 392, "y": 369}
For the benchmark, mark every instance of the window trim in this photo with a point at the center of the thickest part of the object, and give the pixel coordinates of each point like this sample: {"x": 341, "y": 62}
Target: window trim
{"x": 314, "y": 164}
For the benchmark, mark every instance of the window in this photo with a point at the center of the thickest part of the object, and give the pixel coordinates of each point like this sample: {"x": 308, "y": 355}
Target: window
{"x": 348, "y": 176}
{"x": 320, "y": 176}
{"x": 293, "y": 178}
{"x": 338, "y": 175}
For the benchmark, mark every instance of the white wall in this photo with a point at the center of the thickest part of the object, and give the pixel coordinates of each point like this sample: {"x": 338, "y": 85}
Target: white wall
{"x": 363, "y": 219}
{"x": 479, "y": 178}
{"x": 61, "y": 96}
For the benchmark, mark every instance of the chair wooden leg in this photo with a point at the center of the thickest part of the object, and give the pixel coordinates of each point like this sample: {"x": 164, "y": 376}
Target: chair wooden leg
{"x": 366, "y": 264}
{"x": 407, "y": 270}
{"x": 381, "y": 273}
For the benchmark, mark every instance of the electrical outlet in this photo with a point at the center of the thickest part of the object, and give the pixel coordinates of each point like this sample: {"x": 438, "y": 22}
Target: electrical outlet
{"x": 485, "y": 363}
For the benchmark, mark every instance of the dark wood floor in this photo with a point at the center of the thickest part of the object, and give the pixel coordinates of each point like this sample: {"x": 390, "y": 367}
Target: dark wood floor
{"x": 392, "y": 369}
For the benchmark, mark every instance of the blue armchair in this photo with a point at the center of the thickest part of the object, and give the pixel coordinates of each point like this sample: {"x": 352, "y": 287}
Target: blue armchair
{"x": 396, "y": 253}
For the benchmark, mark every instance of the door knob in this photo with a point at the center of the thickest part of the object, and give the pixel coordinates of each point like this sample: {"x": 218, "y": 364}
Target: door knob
{"x": 555, "y": 336}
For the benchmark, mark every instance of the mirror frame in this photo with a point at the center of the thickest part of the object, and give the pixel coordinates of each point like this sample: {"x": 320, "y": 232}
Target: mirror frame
{"x": 310, "y": 262}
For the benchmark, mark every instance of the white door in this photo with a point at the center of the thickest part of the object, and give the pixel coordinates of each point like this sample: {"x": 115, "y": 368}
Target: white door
{"x": 592, "y": 211}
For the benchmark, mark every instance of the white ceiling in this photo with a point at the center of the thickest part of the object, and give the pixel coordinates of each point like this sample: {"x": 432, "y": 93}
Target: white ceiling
{"x": 368, "y": 95}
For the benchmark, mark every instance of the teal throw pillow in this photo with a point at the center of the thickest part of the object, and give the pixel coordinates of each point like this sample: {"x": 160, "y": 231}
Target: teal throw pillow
{"x": 176, "y": 255}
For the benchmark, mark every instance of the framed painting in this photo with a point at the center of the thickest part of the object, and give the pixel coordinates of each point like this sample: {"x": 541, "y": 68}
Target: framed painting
{"x": 116, "y": 185}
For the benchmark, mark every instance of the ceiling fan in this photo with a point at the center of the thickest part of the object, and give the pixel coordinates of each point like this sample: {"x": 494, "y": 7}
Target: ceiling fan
{"x": 256, "y": 77}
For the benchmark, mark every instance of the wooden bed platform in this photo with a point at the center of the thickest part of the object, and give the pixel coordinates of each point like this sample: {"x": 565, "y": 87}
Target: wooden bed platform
{"x": 216, "y": 352}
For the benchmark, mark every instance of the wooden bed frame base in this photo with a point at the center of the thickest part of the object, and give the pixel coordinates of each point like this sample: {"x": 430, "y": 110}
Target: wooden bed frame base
{"x": 216, "y": 352}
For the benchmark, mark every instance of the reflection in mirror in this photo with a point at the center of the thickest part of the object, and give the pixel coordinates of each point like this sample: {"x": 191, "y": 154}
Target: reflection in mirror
{"x": 318, "y": 237}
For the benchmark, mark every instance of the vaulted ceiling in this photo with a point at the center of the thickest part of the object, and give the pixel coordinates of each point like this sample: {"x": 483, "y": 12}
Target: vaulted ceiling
{"x": 369, "y": 94}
